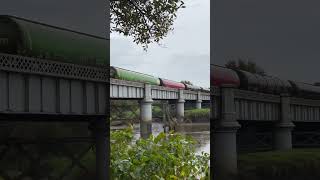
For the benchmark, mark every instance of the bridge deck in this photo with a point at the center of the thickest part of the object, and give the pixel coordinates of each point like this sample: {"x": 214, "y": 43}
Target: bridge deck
{"x": 32, "y": 86}
{"x": 256, "y": 106}
{"x": 120, "y": 89}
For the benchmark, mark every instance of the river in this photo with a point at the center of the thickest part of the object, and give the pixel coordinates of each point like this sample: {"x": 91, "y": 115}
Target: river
{"x": 199, "y": 132}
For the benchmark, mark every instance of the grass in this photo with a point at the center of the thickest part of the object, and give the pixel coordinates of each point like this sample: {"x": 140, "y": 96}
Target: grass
{"x": 285, "y": 165}
{"x": 198, "y": 115}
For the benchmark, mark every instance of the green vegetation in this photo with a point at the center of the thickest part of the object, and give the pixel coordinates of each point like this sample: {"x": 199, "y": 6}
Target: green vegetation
{"x": 197, "y": 115}
{"x": 157, "y": 112}
{"x": 123, "y": 110}
{"x": 129, "y": 111}
{"x": 145, "y": 21}
{"x": 169, "y": 156}
{"x": 245, "y": 64}
{"x": 186, "y": 82}
{"x": 283, "y": 165}
{"x": 43, "y": 159}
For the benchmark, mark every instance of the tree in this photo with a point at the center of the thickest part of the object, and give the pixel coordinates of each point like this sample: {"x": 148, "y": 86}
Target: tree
{"x": 186, "y": 82}
{"x": 245, "y": 65}
{"x": 146, "y": 21}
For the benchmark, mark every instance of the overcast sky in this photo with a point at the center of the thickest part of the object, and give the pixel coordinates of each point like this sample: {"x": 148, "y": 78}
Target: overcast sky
{"x": 186, "y": 51}
{"x": 283, "y": 36}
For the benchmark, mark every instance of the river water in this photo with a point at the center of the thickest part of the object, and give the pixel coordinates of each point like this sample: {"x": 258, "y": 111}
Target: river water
{"x": 200, "y": 133}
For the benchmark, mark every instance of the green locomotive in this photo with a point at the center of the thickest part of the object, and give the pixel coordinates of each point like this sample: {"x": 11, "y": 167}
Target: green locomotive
{"x": 28, "y": 38}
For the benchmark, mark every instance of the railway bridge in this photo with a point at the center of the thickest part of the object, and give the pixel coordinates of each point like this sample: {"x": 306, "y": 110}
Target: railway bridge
{"x": 35, "y": 91}
{"x": 245, "y": 120}
{"x": 146, "y": 94}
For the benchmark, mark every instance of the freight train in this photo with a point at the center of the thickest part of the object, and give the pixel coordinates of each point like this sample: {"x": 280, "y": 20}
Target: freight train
{"x": 29, "y": 38}
{"x": 261, "y": 83}
{"x": 124, "y": 74}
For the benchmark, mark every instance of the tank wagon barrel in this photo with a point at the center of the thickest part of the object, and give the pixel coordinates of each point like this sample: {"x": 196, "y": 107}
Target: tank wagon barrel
{"x": 29, "y": 38}
{"x": 192, "y": 87}
{"x": 220, "y": 75}
{"x": 128, "y": 75}
{"x": 305, "y": 90}
{"x": 172, "y": 84}
{"x": 262, "y": 83}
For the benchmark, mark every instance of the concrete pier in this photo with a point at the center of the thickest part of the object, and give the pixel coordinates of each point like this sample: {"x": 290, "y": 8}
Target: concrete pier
{"x": 282, "y": 137}
{"x": 100, "y": 132}
{"x": 198, "y": 104}
{"x": 180, "y": 106}
{"x": 146, "y": 113}
{"x": 199, "y": 101}
{"x": 224, "y": 137}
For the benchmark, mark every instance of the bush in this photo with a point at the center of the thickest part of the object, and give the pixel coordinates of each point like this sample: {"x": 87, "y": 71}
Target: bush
{"x": 124, "y": 110}
{"x": 40, "y": 160}
{"x": 196, "y": 115}
{"x": 285, "y": 165}
{"x": 162, "y": 157}
{"x": 157, "y": 112}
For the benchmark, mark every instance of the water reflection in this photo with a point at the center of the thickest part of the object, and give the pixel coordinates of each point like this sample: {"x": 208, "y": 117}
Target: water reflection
{"x": 202, "y": 136}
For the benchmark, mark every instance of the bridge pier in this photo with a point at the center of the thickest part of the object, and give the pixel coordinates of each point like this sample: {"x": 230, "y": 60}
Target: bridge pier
{"x": 224, "y": 137}
{"x": 199, "y": 101}
{"x": 146, "y": 113}
{"x": 180, "y": 106}
{"x": 198, "y": 104}
{"x": 283, "y": 129}
{"x": 100, "y": 132}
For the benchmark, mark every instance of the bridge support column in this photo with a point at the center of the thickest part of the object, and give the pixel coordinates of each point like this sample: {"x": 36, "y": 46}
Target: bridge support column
{"x": 199, "y": 101}
{"x": 100, "y": 132}
{"x": 146, "y": 113}
{"x": 180, "y": 107}
{"x": 198, "y": 104}
{"x": 224, "y": 137}
{"x": 282, "y": 133}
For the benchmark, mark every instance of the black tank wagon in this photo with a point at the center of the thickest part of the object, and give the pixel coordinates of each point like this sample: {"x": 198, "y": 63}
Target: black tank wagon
{"x": 267, "y": 84}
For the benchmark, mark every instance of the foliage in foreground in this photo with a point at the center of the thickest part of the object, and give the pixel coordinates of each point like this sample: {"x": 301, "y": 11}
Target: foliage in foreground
{"x": 46, "y": 158}
{"x": 285, "y": 165}
{"x": 169, "y": 156}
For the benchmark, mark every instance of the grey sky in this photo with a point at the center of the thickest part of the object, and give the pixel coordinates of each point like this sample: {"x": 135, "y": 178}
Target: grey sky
{"x": 283, "y": 36}
{"x": 80, "y": 15}
{"x": 184, "y": 55}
